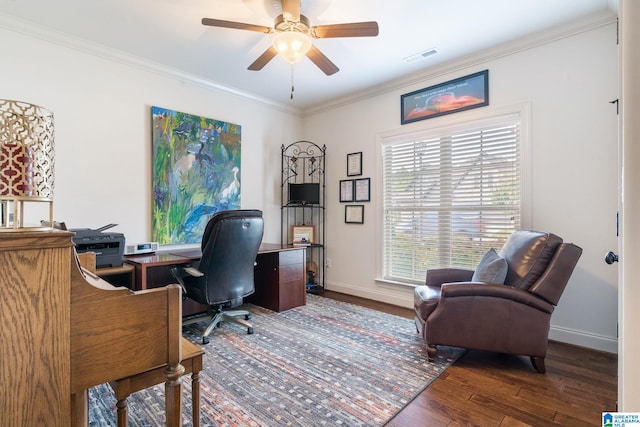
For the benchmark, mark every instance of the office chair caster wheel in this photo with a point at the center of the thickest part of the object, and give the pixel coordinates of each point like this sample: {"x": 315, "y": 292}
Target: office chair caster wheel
{"x": 205, "y": 340}
{"x": 249, "y": 331}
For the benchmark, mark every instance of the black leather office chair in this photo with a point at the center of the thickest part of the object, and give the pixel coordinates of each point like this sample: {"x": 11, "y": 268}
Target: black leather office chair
{"x": 224, "y": 276}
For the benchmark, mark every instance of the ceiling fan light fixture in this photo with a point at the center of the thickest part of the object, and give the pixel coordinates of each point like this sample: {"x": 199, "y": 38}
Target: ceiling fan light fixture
{"x": 292, "y": 45}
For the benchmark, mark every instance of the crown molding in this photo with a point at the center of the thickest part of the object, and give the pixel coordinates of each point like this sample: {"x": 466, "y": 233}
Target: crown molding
{"x": 475, "y": 60}
{"x": 29, "y": 29}
{"x": 592, "y": 22}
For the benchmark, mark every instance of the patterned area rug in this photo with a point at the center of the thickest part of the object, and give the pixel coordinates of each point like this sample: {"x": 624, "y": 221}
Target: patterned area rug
{"x": 328, "y": 363}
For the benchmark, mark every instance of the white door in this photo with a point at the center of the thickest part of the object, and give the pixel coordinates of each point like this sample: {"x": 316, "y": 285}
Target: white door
{"x": 629, "y": 247}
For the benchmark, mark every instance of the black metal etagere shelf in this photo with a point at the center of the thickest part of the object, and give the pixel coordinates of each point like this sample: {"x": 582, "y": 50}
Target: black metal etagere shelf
{"x": 303, "y": 162}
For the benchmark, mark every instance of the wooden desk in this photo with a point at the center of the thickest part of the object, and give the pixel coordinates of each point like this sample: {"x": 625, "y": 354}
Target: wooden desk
{"x": 280, "y": 275}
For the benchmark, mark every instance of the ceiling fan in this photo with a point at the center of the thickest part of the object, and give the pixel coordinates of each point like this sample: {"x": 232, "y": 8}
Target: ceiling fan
{"x": 293, "y": 32}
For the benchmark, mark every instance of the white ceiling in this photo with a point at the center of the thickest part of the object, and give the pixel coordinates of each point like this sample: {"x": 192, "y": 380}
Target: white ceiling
{"x": 170, "y": 33}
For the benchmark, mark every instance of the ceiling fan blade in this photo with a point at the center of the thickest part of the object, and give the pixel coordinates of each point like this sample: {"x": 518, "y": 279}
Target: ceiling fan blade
{"x": 291, "y": 10}
{"x": 322, "y": 61}
{"x": 236, "y": 25}
{"x": 354, "y": 29}
{"x": 263, "y": 59}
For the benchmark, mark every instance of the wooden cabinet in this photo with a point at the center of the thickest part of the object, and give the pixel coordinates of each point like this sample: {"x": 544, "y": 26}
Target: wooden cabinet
{"x": 35, "y": 311}
{"x": 64, "y": 330}
{"x": 280, "y": 280}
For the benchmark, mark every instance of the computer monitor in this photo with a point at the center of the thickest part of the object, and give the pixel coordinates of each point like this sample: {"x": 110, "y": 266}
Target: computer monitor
{"x": 307, "y": 193}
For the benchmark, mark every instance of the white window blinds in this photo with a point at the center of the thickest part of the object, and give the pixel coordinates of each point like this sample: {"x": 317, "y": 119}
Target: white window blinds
{"x": 450, "y": 194}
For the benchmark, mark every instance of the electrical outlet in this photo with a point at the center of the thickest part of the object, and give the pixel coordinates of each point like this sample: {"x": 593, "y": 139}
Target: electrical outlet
{"x": 328, "y": 263}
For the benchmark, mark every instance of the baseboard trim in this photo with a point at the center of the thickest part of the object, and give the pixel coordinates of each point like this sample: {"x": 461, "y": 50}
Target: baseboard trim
{"x": 402, "y": 296}
{"x": 383, "y": 293}
{"x": 584, "y": 339}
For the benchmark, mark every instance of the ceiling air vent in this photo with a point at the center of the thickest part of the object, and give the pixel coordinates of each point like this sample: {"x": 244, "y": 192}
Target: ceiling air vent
{"x": 418, "y": 56}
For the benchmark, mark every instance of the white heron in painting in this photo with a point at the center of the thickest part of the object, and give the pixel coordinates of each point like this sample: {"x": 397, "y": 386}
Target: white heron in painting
{"x": 232, "y": 189}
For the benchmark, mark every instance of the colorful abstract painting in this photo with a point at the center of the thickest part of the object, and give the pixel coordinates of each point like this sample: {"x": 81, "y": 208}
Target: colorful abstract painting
{"x": 196, "y": 173}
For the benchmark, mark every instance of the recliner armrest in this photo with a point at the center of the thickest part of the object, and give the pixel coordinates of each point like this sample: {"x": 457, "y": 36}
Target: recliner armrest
{"x": 439, "y": 276}
{"x": 488, "y": 290}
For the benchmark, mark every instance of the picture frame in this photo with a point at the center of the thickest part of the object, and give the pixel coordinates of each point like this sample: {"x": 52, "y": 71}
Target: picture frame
{"x": 362, "y": 190}
{"x": 302, "y": 234}
{"x": 453, "y": 96}
{"x": 346, "y": 190}
{"x": 354, "y": 164}
{"x": 354, "y": 214}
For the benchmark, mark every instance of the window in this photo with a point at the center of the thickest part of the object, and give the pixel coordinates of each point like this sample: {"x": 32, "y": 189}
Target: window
{"x": 449, "y": 195}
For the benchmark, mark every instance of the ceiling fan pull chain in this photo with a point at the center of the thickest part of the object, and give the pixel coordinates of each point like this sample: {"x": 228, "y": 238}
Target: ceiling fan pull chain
{"x": 292, "y": 81}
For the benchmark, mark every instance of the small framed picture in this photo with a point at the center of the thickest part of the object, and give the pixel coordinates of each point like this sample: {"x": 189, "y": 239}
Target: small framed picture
{"x": 354, "y": 214}
{"x": 302, "y": 234}
{"x": 346, "y": 190}
{"x": 354, "y": 164}
{"x": 362, "y": 190}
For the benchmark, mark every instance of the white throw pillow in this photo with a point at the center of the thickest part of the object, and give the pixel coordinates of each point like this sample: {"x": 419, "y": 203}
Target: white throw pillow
{"x": 491, "y": 269}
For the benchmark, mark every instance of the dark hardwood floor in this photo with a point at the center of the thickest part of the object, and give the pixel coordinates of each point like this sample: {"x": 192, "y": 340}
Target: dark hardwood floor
{"x": 489, "y": 389}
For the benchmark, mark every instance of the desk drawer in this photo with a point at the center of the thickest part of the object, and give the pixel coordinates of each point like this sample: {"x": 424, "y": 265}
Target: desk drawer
{"x": 292, "y": 294}
{"x": 292, "y": 257}
{"x": 290, "y": 273}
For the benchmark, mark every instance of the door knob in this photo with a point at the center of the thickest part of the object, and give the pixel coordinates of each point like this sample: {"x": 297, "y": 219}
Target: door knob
{"x": 610, "y": 258}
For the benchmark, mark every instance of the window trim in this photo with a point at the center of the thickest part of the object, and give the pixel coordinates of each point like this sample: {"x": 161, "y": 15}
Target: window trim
{"x": 450, "y": 124}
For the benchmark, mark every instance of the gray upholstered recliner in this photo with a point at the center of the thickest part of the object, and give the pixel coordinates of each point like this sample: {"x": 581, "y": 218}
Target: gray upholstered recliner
{"x": 511, "y": 317}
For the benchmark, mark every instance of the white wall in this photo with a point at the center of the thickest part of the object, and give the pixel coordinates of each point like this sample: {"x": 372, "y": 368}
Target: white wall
{"x": 102, "y": 131}
{"x": 567, "y": 85}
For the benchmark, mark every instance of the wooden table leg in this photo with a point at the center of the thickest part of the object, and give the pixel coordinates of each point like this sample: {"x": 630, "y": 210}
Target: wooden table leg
{"x": 173, "y": 398}
{"x": 195, "y": 395}
{"x": 80, "y": 409}
{"x": 123, "y": 415}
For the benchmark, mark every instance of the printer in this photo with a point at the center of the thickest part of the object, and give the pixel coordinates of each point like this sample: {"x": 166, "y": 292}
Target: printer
{"x": 109, "y": 247}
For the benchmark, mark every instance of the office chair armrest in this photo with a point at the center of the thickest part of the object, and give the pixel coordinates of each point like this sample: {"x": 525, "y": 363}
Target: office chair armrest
{"x": 179, "y": 277}
{"x": 192, "y": 271}
{"x": 179, "y": 272}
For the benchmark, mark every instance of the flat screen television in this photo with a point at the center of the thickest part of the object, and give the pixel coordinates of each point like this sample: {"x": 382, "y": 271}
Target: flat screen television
{"x": 307, "y": 193}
